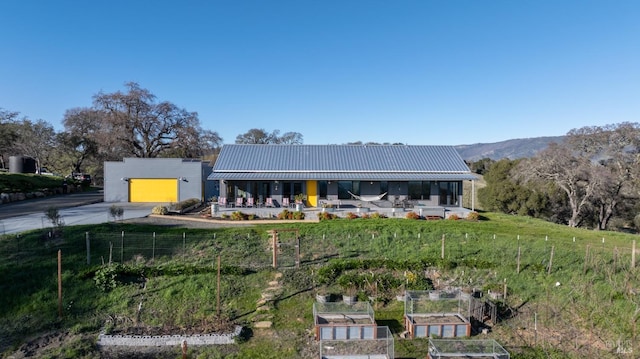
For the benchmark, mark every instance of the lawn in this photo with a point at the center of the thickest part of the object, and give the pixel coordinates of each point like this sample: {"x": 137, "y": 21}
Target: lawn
{"x": 570, "y": 292}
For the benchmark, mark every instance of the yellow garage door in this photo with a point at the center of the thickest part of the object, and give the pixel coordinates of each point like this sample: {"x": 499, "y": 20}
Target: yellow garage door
{"x": 153, "y": 190}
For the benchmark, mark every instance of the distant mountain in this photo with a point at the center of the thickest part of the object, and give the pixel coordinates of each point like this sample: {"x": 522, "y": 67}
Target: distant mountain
{"x": 511, "y": 149}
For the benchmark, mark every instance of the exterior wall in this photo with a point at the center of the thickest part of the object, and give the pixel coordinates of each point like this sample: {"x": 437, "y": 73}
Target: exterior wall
{"x": 116, "y": 187}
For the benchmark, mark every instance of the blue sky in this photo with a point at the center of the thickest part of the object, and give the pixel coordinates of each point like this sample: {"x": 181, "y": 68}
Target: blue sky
{"x": 418, "y": 72}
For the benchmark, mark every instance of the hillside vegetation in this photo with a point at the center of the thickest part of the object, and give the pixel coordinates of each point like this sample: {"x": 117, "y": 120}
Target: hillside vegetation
{"x": 571, "y": 293}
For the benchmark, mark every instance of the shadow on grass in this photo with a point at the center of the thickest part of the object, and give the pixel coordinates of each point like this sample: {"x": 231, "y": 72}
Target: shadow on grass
{"x": 394, "y": 325}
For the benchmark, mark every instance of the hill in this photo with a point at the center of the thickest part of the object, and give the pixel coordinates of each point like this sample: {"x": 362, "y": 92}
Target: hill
{"x": 511, "y": 149}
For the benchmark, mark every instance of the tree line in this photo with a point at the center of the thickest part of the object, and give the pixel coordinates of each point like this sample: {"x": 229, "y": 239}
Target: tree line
{"x": 130, "y": 123}
{"x": 591, "y": 180}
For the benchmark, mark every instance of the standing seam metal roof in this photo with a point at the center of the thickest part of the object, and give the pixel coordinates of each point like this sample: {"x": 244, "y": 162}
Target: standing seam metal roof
{"x": 339, "y": 158}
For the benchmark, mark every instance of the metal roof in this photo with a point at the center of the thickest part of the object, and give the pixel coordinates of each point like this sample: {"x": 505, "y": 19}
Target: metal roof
{"x": 335, "y": 162}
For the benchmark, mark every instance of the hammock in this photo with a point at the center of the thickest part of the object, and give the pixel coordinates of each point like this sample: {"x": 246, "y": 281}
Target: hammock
{"x": 368, "y": 198}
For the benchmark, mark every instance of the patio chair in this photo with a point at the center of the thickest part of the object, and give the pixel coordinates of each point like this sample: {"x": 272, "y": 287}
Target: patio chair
{"x": 269, "y": 202}
{"x": 222, "y": 201}
{"x": 250, "y": 202}
{"x": 239, "y": 202}
{"x": 285, "y": 202}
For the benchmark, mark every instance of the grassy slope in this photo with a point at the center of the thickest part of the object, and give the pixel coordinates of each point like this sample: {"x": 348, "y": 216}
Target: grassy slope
{"x": 592, "y": 309}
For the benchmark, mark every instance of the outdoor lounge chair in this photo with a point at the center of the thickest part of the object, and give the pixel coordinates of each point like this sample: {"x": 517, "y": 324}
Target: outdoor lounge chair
{"x": 285, "y": 202}
{"x": 269, "y": 202}
{"x": 222, "y": 201}
{"x": 239, "y": 202}
{"x": 250, "y": 202}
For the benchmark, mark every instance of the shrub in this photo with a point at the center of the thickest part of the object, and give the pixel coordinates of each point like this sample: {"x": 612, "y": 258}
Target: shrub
{"x": 352, "y": 215}
{"x": 365, "y": 215}
{"x": 412, "y": 215}
{"x": 286, "y": 214}
{"x": 326, "y": 216}
{"x": 453, "y": 217}
{"x": 106, "y": 278}
{"x": 473, "y": 216}
{"x": 116, "y": 212}
{"x": 238, "y": 216}
{"x": 185, "y": 204}
{"x": 159, "y": 209}
{"x": 378, "y": 215}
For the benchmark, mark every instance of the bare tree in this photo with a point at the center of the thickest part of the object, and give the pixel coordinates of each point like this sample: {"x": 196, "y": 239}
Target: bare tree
{"x": 260, "y": 136}
{"x": 572, "y": 174}
{"x": 79, "y": 141}
{"x": 36, "y": 140}
{"x": 614, "y": 150}
{"x": 143, "y": 128}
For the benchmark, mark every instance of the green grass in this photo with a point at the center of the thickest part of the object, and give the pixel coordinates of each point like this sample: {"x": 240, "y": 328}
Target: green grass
{"x": 592, "y": 309}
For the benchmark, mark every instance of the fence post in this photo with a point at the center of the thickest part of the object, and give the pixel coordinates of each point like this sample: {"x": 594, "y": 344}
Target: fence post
{"x": 184, "y": 243}
{"x": 86, "y": 238}
{"x": 122, "y": 248}
{"x": 153, "y": 247}
{"x": 442, "y": 249}
{"x": 633, "y": 254}
{"x": 518, "y": 266}
{"x": 550, "y": 260}
{"x": 586, "y": 257}
{"x": 60, "y": 283}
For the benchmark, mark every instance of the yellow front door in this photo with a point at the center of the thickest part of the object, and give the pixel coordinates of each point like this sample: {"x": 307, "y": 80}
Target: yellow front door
{"x": 312, "y": 193}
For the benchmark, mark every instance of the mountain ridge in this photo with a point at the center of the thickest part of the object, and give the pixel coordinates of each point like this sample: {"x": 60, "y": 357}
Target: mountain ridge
{"x": 511, "y": 149}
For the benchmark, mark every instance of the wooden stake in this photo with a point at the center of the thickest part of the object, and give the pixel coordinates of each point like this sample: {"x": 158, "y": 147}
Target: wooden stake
{"x": 86, "y": 236}
{"x": 60, "y": 283}
{"x": 550, "y": 260}
{"x": 218, "y": 291}
{"x": 586, "y": 257}
{"x": 442, "y": 249}
{"x": 633, "y": 254}
{"x": 518, "y": 266}
{"x": 274, "y": 238}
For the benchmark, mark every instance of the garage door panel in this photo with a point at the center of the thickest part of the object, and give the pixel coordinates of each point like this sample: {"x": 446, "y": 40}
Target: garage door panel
{"x": 153, "y": 190}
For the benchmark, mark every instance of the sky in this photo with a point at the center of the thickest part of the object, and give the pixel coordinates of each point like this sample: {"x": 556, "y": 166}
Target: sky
{"x": 424, "y": 72}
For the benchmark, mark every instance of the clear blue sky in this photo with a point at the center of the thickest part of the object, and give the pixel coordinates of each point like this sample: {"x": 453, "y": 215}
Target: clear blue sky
{"x": 422, "y": 72}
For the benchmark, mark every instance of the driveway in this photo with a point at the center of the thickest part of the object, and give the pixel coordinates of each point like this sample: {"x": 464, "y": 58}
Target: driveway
{"x": 75, "y": 209}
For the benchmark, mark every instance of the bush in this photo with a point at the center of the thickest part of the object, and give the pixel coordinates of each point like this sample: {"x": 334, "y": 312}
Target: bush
{"x": 473, "y": 216}
{"x": 377, "y": 215}
{"x": 159, "y": 209}
{"x": 352, "y": 215}
{"x": 185, "y": 204}
{"x": 453, "y": 217}
{"x": 326, "y": 216}
{"x": 412, "y": 215}
{"x": 286, "y": 214}
{"x": 238, "y": 216}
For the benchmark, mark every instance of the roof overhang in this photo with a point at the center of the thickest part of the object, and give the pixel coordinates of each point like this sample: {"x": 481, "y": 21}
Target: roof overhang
{"x": 346, "y": 176}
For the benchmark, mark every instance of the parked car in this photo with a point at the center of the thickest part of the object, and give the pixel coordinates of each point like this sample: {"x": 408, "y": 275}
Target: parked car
{"x": 85, "y": 178}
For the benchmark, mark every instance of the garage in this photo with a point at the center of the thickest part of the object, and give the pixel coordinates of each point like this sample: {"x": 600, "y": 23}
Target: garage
{"x": 153, "y": 190}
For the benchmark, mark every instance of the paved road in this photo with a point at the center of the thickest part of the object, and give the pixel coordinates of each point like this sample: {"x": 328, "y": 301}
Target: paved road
{"x": 75, "y": 209}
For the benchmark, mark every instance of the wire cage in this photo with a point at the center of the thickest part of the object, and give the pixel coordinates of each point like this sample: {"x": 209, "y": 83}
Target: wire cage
{"x": 466, "y": 348}
{"x": 379, "y": 347}
{"x": 338, "y": 320}
{"x": 437, "y": 313}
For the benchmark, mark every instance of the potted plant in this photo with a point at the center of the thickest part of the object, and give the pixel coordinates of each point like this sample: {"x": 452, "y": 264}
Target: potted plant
{"x": 327, "y": 207}
{"x": 214, "y": 205}
{"x": 300, "y": 198}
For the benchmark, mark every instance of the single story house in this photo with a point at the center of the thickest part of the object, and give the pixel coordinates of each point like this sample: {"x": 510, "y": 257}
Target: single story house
{"x": 388, "y": 175}
{"x": 161, "y": 180}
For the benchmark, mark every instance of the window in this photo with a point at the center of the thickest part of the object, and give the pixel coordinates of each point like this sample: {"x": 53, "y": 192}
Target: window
{"x": 344, "y": 187}
{"x": 419, "y": 189}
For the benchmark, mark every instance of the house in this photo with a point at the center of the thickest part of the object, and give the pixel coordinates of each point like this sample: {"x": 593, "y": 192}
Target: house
{"x": 162, "y": 180}
{"x": 385, "y": 175}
